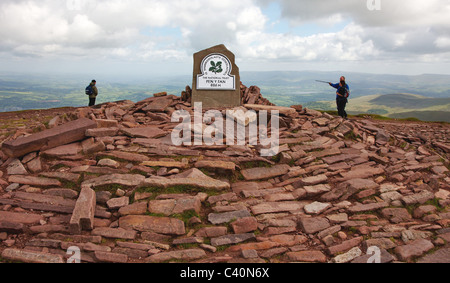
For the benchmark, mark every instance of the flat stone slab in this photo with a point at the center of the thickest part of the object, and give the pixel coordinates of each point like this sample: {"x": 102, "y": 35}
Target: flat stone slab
{"x": 136, "y": 208}
{"x": 348, "y": 256}
{"x": 396, "y": 215}
{"x": 283, "y": 110}
{"x": 362, "y": 173}
{"x": 314, "y": 224}
{"x": 72, "y": 177}
{"x": 175, "y": 206}
{"x": 110, "y": 257}
{"x": 23, "y": 218}
{"x": 128, "y": 180}
{"x": 31, "y": 257}
{"x": 274, "y": 207}
{"x": 158, "y": 104}
{"x": 16, "y": 168}
{"x": 205, "y": 183}
{"x": 316, "y": 207}
{"x": 61, "y": 135}
{"x": 116, "y": 203}
{"x": 10, "y": 227}
{"x": 367, "y": 207}
{"x": 360, "y": 184}
{"x": 71, "y": 149}
{"x": 231, "y": 239}
{"x": 344, "y": 246}
{"x": 217, "y": 164}
{"x": 42, "y": 198}
{"x": 414, "y": 249}
{"x": 102, "y": 132}
{"x": 161, "y": 225}
{"x": 128, "y": 156}
{"x": 339, "y": 158}
{"x": 114, "y": 233}
{"x": 34, "y": 181}
{"x": 311, "y": 181}
{"x": 219, "y": 218}
{"x": 421, "y": 198}
{"x": 147, "y": 132}
{"x": 440, "y": 256}
{"x": 190, "y": 254}
{"x": 317, "y": 189}
{"x": 307, "y": 256}
{"x": 262, "y": 173}
{"x": 168, "y": 164}
{"x": 105, "y": 123}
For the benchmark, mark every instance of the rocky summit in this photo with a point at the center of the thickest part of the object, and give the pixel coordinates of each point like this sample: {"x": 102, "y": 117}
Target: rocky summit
{"x": 108, "y": 182}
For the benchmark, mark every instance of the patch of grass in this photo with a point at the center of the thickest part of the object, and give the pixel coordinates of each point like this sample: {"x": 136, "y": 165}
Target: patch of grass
{"x": 331, "y": 112}
{"x": 155, "y": 214}
{"x": 410, "y": 208}
{"x": 186, "y": 216}
{"x": 292, "y": 162}
{"x": 222, "y": 248}
{"x": 435, "y": 202}
{"x": 410, "y": 119}
{"x": 276, "y": 158}
{"x": 352, "y": 136}
{"x": 69, "y": 184}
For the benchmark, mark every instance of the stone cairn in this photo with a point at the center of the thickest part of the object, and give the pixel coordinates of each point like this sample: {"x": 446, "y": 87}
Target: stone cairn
{"x": 251, "y": 95}
{"x": 107, "y": 181}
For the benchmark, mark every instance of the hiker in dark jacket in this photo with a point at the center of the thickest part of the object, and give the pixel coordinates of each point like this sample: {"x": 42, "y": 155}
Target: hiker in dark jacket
{"x": 93, "y": 93}
{"x": 342, "y": 94}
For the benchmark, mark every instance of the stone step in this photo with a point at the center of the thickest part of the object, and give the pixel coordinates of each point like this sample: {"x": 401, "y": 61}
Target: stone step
{"x": 61, "y": 135}
{"x": 31, "y": 257}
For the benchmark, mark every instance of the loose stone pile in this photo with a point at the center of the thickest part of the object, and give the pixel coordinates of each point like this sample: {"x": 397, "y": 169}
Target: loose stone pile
{"x": 249, "y": 95}
{"x": 111, "y": 183}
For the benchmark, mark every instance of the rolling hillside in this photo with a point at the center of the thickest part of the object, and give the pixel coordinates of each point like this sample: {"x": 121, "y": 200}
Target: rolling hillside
{"x": 400, "y": 105}
{"x": 371, "y": 93}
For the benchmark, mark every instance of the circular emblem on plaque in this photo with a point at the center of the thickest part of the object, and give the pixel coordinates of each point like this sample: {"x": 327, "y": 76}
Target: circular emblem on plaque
{"x": 216, "y": 73}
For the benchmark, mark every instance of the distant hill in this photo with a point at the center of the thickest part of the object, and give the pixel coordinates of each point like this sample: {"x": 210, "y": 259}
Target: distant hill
{"x": 401, "y": 105}
{"x": 429, "y": 116}
{"x": 380, "y": 94}
{"x": 410, "y": 101}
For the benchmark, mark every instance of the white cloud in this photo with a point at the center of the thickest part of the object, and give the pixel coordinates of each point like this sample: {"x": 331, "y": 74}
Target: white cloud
{"x": 171, "y": 30}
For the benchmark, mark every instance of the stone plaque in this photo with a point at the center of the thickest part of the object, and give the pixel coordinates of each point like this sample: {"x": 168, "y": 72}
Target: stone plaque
{"x": 216, "y": 81}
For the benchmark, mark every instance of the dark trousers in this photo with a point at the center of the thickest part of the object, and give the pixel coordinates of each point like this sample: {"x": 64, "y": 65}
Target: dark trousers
{"x": 92, "y": 101}
{"x": 341, "y": 103}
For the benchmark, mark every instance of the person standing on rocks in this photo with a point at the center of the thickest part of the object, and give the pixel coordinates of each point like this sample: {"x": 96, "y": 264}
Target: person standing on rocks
{"x": 342, "y": 94}
{"x": 92, "y": 91}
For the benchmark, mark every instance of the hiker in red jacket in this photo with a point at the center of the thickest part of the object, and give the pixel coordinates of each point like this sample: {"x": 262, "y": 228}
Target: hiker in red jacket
{"x": 342, "y": 94}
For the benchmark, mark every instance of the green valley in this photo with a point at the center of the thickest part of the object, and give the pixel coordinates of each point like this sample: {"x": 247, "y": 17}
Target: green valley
{"x": 426, "y": 97}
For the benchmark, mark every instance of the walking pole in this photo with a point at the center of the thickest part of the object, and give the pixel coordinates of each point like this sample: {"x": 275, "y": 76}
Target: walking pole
{"x": 323, "y": 82}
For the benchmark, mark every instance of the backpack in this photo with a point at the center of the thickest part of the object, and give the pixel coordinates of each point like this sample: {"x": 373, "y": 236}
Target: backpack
{"x": 89, "y": 90}
{"x": 343, "y": 91}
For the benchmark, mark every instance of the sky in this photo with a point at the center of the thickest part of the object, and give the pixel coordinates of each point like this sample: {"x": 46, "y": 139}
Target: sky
{"x": 159, "y": 37}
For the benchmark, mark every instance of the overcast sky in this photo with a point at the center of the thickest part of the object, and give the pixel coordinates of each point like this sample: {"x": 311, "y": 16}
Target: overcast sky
{"x": 137, "y": 37}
